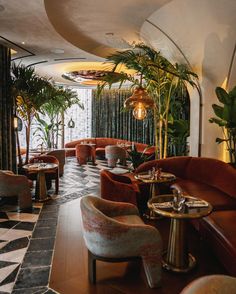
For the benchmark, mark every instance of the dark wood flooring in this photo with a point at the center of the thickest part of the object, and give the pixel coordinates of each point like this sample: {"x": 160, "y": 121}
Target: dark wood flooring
{"x": 69, "y": 273}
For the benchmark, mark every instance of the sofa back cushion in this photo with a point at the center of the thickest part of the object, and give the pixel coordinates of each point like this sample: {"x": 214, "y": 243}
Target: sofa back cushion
{"x": 213, "y": 172}
{"x": 175, "y": 165}
{"x": 74, "y": 143}
{"x": 103, "y": 142}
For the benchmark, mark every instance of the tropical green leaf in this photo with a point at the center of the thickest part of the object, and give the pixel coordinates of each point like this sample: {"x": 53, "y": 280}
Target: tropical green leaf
{"x": 219, "y": 140}
{"x": 218, "y": 121}
{"x": 223, "y": 96}
{"x": 232, "y": 94}
{"x": 219, "y": 110}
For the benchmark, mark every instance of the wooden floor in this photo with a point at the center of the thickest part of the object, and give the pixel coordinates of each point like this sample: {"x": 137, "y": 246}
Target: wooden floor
{"x": 70, "y": 274}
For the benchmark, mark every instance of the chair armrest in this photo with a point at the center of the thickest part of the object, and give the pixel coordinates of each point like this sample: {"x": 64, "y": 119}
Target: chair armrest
{"x": 113, "y": 208}
{"x": 8, "y": 172}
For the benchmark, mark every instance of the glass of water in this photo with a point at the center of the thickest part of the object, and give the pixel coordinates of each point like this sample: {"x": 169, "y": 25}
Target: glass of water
{"x": 178, "y": 200}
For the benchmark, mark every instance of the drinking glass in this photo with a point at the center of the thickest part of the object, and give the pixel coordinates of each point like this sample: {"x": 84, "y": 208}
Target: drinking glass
{"x": 178, "y": 200}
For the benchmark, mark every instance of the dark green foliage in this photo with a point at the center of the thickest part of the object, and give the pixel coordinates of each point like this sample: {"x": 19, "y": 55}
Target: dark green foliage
{"x": 226, "y": 119}
{"x": 136, "y": 157}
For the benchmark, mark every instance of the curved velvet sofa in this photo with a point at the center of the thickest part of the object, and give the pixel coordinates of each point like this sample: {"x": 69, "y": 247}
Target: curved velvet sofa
{"x": 215, "y": 182}
{"x": 101, "y": 143}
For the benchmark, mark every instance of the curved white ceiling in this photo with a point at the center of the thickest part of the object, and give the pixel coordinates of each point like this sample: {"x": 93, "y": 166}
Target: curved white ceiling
{"x": 203, "y": 30}
{"x": 100, "y": 27}
{"x": 88, "y": 30}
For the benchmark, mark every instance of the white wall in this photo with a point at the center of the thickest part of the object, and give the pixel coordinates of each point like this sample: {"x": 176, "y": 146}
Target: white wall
{"x": 204, "y": 31}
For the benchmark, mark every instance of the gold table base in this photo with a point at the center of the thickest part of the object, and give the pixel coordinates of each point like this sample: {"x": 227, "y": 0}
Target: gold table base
{"x": 41, "y": 188}
{"x": 177, "y": 258}
{"x": 191, "y": 264}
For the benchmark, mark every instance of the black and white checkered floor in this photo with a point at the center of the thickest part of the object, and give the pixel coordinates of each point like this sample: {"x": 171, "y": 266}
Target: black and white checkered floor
{"x": 27, "y": 239}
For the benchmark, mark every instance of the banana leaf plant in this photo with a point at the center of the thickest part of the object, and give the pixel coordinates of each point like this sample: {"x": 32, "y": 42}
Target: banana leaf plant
{"x": 44, "y": 133}
{"x": 226, "y": 120}
{"x": 178, "y": 133}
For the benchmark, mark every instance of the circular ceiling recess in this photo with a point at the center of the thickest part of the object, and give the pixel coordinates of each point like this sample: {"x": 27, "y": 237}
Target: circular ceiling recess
{"x": 87, "y": 77}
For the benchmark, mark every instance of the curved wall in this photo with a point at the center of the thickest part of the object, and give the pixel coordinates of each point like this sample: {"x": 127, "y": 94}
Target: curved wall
{"x": 205, "y": 33}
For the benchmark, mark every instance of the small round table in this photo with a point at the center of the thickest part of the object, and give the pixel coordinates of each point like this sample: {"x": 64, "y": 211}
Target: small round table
{"x": 40, "y": 169}
{"x": 177, "y": 258}
{"x": 164, "y": 178}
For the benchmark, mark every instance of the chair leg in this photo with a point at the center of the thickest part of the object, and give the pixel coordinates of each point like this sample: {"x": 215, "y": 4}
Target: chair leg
{"x": 57, "y": 185}
{"x": 57, "y": 182}
{"x": 91, "y": 267}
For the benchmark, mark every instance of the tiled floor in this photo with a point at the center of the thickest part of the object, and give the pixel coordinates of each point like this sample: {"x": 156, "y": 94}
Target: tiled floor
{"x": 15, "y": 233}
{"x": 27, "y": 239}
{"x": 27, "y": 247}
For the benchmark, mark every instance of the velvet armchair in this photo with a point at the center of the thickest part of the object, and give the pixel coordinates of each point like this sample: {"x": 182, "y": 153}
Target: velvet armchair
{"x": 119, "y": 188}
{"x": 114, "y": 153}
{"x": 114, "y": 231}
{"x": 16, "y": 185}
{"x": 84, "y": 153}
{"x": 60, "y": 154}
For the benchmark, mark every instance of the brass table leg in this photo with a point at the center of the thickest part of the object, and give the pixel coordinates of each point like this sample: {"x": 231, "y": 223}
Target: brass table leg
{"x": 150, "y": 213}
{"x": 177, "y": 258}
{"x": 41, "y": 187}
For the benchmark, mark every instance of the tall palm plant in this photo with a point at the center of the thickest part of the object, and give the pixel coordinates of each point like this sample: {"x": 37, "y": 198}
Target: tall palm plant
{"x": 28, "y": 90}
{"x": 60, "y": 100}
{"x": 161, "y": 79}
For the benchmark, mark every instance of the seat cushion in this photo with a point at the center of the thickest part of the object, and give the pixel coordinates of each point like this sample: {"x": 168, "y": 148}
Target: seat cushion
{"x": 220, "y": 231}
{"x": 100, "y": 151}
{"x": 218, "y": 199}
{"x": 129, "y": 219}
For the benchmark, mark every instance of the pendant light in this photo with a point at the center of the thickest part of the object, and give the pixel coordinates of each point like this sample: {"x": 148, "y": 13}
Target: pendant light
{"x": 140, "y": 101}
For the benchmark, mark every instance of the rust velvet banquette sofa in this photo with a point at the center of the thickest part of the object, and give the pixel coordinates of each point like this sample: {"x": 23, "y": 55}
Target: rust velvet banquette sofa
{"x": 101, "y": 143}
{"x": 215, "y": 182}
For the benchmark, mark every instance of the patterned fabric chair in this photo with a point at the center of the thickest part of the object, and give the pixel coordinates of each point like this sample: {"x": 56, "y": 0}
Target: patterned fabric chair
{"x": 214, "y": 284}
{"x": 84, "y": 153}
{"x": 60, "y": 154}
{"x": 113, "y": 153}
{"x": 50, "y": 175}
{"x": 114, "y": 232}
{"x": 15, "y": 185}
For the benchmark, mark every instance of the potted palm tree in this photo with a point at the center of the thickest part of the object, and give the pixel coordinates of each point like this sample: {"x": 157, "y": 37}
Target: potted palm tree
{"x": 226, "y": 120}
{"x": 60, "y": 100}
{"x": 159, "y": 77}
{"x": 28, "y": 92}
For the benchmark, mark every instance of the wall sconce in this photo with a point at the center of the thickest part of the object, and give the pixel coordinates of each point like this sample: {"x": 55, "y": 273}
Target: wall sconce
{"x": 71, "y": 124}
{"x": 17, "y": 123}
{"x": 140, "y": 101}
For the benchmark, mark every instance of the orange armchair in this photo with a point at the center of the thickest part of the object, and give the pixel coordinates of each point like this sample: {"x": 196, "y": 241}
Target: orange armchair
{"x": 60, "y": 154}
{"x": 15, "y": 185}
{"x": 121, "y": 189}
{"x": 84, "y": 153}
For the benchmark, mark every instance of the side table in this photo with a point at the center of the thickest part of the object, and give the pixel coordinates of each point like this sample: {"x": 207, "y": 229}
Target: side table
{"x": 40, "y": 169}
{"x": 165, "y": 178}
{"x": 177, "y": 258}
